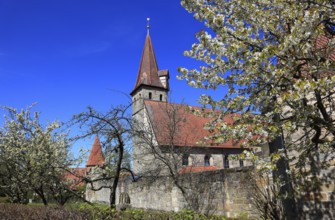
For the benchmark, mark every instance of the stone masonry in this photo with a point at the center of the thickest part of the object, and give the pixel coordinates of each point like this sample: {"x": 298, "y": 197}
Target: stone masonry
{"x": 222, "y": 192}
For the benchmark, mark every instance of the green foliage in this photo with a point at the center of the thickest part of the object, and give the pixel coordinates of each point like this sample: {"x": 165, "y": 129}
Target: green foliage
{"x": 22, "y": 212}
{"x": 189, "y": 215}
{"x": 97, "y": 211}
{"x": 83, "y": 211}
{"x": 100, "y": 211}
{"x": 4, "y": 200}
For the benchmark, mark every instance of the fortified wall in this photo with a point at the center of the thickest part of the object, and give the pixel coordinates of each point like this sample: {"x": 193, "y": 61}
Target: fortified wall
{"x": 223, "y": 192}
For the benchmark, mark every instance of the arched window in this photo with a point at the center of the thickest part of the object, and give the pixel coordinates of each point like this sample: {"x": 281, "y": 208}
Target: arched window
{"x": 185, "y": 160}
{"x": 207, "y": 162}
{"x": 150, "y": 95}
{"x": 160, "y": 97}
{"x": 226, "y": 161}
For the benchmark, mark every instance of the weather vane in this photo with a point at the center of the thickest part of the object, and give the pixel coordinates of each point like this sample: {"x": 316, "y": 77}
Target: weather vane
{"x": 148, "y": 25}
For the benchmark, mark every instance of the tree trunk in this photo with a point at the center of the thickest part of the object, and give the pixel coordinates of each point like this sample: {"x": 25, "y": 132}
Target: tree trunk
{"x": 40, "y": 193}
{"x": 286, "y": 189}
{"x": 117, "y": 174}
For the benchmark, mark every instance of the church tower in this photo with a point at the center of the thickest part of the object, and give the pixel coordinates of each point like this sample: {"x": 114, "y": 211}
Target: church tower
{"x": 151, "y": 83}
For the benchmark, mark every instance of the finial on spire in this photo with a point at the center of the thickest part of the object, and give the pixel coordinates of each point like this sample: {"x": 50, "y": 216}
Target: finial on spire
{"x": 148, "y": 25}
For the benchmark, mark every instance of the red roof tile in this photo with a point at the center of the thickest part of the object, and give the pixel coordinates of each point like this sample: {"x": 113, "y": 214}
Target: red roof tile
{"x": 75, "y": 178}
{"x": 148, "y": 72}
{"x": 196, "y": 169}
{"x": 322, "y": 43}
{"x": 175, "y": 124}
{"x": 163, "y": 73}
{"x": 96, "y": 157}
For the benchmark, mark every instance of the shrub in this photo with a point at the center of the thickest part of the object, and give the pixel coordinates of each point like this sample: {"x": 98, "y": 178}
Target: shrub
{"x": 23, "y": 212}
{"x": 4, "y": 200}
{"x": 83, "y": 211}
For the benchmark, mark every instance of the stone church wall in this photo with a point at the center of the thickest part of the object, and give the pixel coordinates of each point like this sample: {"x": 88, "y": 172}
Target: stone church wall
{"x": 224, "y": 192}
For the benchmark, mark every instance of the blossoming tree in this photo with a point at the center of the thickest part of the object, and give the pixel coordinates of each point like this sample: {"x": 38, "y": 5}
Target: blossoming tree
{"x": 33, "y": 159}
{"x": 275, "y": 58}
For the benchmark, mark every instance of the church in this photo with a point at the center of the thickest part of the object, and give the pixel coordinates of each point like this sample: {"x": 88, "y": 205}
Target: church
{"x": 173, "y": 143}
{"x": 174, "y": 125}
{"x": 176, "y": 146}
{"x": 171, "y": 126}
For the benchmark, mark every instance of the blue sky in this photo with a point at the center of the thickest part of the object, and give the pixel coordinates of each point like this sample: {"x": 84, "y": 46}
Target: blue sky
{"x": 68, "y": 54}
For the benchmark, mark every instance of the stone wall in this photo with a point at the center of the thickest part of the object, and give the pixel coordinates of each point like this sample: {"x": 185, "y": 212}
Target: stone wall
{"x": 320, "y": 204}
{"x": 101, "y": 196}
{"x": 224, "y": 192}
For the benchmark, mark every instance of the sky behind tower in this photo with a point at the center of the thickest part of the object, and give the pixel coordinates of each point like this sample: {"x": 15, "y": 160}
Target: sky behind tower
{"x": 68, "y": 54}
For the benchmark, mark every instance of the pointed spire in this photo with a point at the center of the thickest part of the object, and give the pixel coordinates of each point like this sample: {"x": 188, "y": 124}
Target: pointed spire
{"x": 96, "y": 157}
{"x": 148, "y": 71}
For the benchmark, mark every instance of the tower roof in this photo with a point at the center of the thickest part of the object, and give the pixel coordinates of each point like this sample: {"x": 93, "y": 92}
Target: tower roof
{"x": 96, "y": 157}
{"x": 148, "y": 71}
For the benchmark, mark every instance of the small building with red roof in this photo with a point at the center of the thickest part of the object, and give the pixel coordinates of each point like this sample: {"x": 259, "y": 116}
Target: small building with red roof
{"x": 75, "y": 176}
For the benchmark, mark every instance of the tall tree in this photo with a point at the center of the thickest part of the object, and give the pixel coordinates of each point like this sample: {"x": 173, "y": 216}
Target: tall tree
{"x": 275, "y": 59}
{"x": 32, "y": 158}
{"x": 114, "y": 129}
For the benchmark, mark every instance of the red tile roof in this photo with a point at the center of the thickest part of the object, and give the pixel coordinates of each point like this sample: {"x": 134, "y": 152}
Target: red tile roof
{"x": 196, "y": 169}
{"x": 75, "y": 177}
{"x": 96, "y": 157}
{"x": 148, "y": 72}
{"x": 163, "y": 73}
{"x": 176, "y": 124}
{"x": 322, "y": 43}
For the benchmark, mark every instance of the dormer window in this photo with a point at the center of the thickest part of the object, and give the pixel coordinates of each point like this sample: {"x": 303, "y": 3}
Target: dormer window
{"x": 150, "y": 95}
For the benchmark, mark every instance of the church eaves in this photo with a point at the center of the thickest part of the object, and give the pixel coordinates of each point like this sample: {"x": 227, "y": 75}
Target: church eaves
{"x": 148, "y": 71}
{"x": 96, "y": 157}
